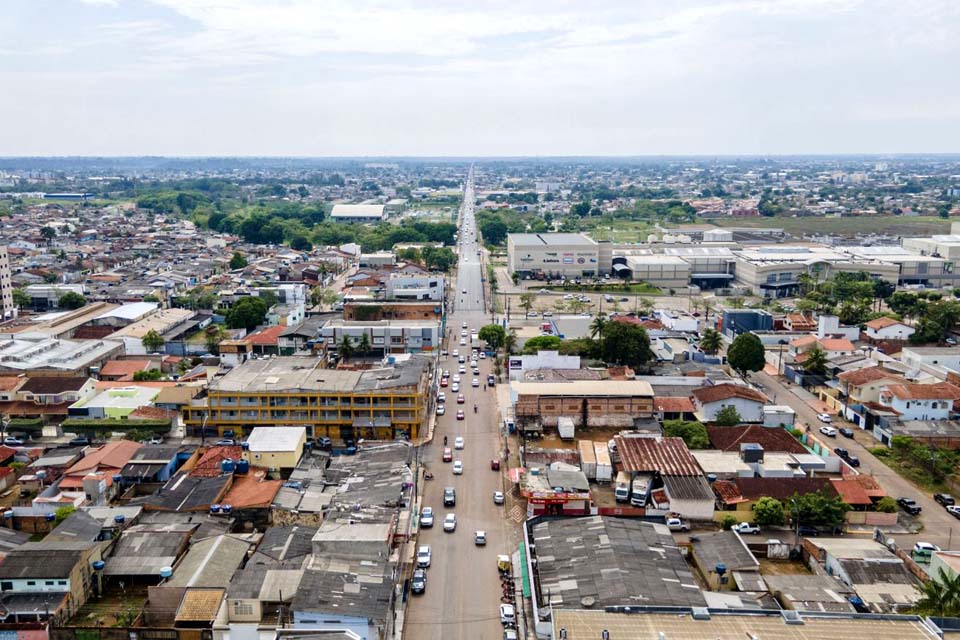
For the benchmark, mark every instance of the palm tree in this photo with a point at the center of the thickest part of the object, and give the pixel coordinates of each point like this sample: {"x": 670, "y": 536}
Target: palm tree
{"x": 941, "y": 595}
{"x": 646, "y": 304}
{"x": 598, "y": 326}
{"x": 816, "y": 362}
{"x": 346, "y": 348}
{"x": 363, "y": 346}
{"x": 711, "y": 341}
{"x": 509, "y": 342}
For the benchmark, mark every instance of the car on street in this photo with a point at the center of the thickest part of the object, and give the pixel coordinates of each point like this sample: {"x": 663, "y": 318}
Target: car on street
{"x": 476, "y": 381}
{"x": 456, "y": 354}
{"x": 450, "y": 523}
{"x": 455, "y": 387}
{"x": 10, "y": 441}
{"x": 824, "y": 417}
{"x": 846, "y": 432}
{"x": 807, "y": 530}
{"x": 462, "y": 369}
{"x": 419, "y": 582}
{"x": 945, "y": 499}
{"x": 463, "y": 342}
{"x": 444, "y": 382}
{"x": 495, "y": 464}
{"x": 441, "y": 409}
{"x": 476, "y": 372}
{"x": 460, "y": 398}
{"x": 81, "y": 441}
{"x": 508, "y": 615}
{"x": 447, "y": 454}
{"x": 480, "y": 538}
{"x": 424, "y": 556}
{"x": 456, "y": 378}
{"x": 458, "y": 443}
{"x": 909, "y": 505}
{"x": 463, "y": 332}
{"x": 746, "y": 528}
{"x": 158, "y": 439}
{"x": 510, "y": 634}
{"x": 225, "y": 442}
{"x": 449, "y": 497}
{"x": 954, "y": 510}
{"x": 846, "y": 456}
{"x": 491, "y": 380}
{"x": 676, "y": 524}
{"x": 460, "y": 415}
{"x": 483, "y": 355}
{"x": 463, "y": 325}
{"x": 442, "y": 396}
{"x": 498, "y": 497}
{"x": 830, "y": 432}
{"x": 426, "y": 517}
{"x": 458, "y": 468}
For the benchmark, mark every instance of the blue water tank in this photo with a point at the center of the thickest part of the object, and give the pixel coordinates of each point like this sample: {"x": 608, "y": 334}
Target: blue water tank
{"x": 41, "y": 474}
{"x": 8, "y": 514}
{"x": 391, "y": 360}
{"x": 119, "y": 519}
{"x": 243, "y": 466}
{"x": 245, "y": 446}
{"x": 117, "y": 478}
{"x": 51, "y": 517}
{"x": 226, "y": 508}
{"x": 98, "y": 565}
{"x": 227, "y": 465}
{"x": 721, "y": 569}
{"x": 166, "y": 572}
{"x": 214, "y": 508}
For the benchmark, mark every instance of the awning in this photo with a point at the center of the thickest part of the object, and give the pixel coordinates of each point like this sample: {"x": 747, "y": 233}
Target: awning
{"x": 713, "y": 276}
{"x": 524, "y": 576}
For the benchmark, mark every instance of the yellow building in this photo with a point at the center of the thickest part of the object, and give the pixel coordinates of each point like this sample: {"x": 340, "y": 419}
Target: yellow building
{"x": 275, "y": 447}
{"x": 384, "y": 403}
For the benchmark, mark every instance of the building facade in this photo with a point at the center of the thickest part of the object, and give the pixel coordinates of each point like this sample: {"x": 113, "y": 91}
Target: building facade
{"x": 570, "y": 255}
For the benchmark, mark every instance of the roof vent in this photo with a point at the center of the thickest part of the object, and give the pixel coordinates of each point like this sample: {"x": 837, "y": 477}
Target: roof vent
{"x": 587, "y": 601}
{"x": 791, "y": 617}
{"x": 701, "y": 613}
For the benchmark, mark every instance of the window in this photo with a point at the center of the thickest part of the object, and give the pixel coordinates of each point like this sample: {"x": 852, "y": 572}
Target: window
{"x": 62, "y": 583}
{"x": 6, "y": 586}
{"x": 242, "y": 609}
{"x": 49, "y": 583}
{"x": 31, "y": 583}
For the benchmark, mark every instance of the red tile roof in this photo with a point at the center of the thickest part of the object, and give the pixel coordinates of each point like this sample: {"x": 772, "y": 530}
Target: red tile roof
{"x": 6, "y": 452}
{"x": 152, "y": 413}
{"x": 725, "y": 391}
{"x": 770, "y": 438}
{"x": 782, "y": 488}
{"x": 669, "y": 456}
{"x": 9, "y": 383}
{"x": 805, "y": 340}
{"x": 119, "y": 368}
{"x": 252, "y": 491}
{"x": 673, "y": 405}
{"x": 209, "y": 464}
{"x": 851, "y": 492}
{"x": 869, "y": 484}
{"x": 728, "y": 491}
{"x": 884, "y": 322}
{"x": 836, "y": 344}
{"x": 111, "y": 456}
{"x": 937, "y": 391}
{"x": 860, "y": 377}
{"x": 265, "y": 337}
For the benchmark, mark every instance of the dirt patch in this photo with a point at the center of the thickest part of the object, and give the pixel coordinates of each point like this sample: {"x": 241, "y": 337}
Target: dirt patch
{"x": 782, "y": 568}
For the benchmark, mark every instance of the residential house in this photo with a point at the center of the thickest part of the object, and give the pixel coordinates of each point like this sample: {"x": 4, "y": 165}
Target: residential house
{"x": 710, "y": 400}
{"x": 725, "y": 549}
{"x": 107, "y": 461}
{"x": 54, "y": 567}
{"x": 741, "y": 494}
{"x": 797, "y": 322}
{"x": 882, "y": 329}
{"x": 920, "y": 401}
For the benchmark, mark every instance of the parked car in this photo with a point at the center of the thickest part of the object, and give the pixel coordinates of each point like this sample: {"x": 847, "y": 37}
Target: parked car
{"x": 824, "y": 417}
{"x": 498, "y": 497}
{"x": 449, "y": 497}
{"x": 508, "y": 615}
{"x": 426, "y": 518}
{"x": 909, "y": 505}
{"x": 419, "y": 582}
{"x": 807, "y": 530}
{"x": 954, "y": 510}
{"x": 423, "y": 556}
{"x": 441, "y": 409}
{"x": 945, "y": 499}
{"x": 746, "y": 528}
{"x": 830, "y": 432}
{"x": 81, "y": 441}
{"x": 495, "y": 464}
{"x": 158, "y": 439}
{"x": 10, "y": 441}
{"x": 846, "y": 432}
{"x": 480, "y": 538}
{"x": 225, "y": 442}
{"x": 676, "y": 524}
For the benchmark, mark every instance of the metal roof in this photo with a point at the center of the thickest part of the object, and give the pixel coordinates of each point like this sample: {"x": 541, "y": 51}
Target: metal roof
{"x": 668, "y": 456}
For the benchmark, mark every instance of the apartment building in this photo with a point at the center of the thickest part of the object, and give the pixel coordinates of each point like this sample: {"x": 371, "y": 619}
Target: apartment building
{"x": 384, "y": 403}
{"x": 6, "y": 286}
{"x": 383, "y": 336}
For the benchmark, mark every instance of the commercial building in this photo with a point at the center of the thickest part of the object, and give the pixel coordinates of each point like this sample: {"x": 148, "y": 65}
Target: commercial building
{"x": 660, "y": 270}
{"x": 915, "y": 268}
{"x": 383, "y": 336}
{"x": 275, "y": 447}
{"x": 358, "y": 212}
{"x": 588, "y": 403}
{"x": 402, "y": 286}
{"x": 169, "y": 323}
{"x": 377, "y": 404}
{"x": 710, "y": 267}
{"x": 39, "y": 354}
{"x": 553, "y": 255}
{"x": 47, "y": 296}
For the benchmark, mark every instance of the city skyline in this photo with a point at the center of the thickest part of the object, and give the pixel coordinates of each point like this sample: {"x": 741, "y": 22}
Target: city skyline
{"x": 307, "y": 79}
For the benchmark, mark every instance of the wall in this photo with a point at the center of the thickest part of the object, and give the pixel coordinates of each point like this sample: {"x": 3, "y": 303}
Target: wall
{"x": 749, "y": 410}
{"x": 873, "y": 518}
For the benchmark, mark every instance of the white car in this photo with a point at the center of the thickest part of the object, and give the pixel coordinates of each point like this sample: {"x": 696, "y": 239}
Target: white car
{"x": 746, "y": 528}
{"x": 455, "y": 387}
{"x": 463, "y": 333}
{"x": 441, "y": 409}
{"x": 456, "y": 378}
{"x": 483, "y": 355}
{"x": 480, "y": 538}
{"x": 475, "y": 382}
{"x": 828, "y": 431}
{"x": 426, "y": 517}
{"x": 824, "y": 417}
{"x": 463, "y": 342}
{"x": 463, "y": 325}
{"x": 450, "y": 523}
{"x": 458, "y": 443}
{"x": 442, "y": 397}
{"x": 458, "y": 467}
{"x": 676, "y": 524}
{"x": 508, "y": 615}
{"x": 423, "y": 556}
{"x": 462, "y": 369}
{"x": 498, "y": 497}
{"x": 456, "y": 353}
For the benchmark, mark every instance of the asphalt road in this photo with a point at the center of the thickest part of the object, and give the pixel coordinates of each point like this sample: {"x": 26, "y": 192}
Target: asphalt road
{"x": 939, "y": 527}
{"x": 462, "y": 597}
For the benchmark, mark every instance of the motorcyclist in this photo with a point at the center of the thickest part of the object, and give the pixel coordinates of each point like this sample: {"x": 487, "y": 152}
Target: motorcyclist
{"x": 474, "y": 408}
{"x": 444, "y": 440}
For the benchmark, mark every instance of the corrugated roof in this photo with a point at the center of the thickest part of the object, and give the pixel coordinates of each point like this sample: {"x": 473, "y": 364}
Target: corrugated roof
{"x": 200, "y": 605}
{"x": 669, "y": 456}
{"x": 622, "y": 388}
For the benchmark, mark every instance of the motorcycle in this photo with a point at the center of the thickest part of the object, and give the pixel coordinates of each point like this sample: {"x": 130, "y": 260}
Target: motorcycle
{"x": 428, "y": 476}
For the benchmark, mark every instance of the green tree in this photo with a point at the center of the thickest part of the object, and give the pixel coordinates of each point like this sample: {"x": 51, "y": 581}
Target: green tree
{"x": 493, "y": 334}
{"x": 694, "y": 434}
{"x": 214, "y": 335}
{"x": 147, "y": 374}
{"x": 237, "y": 261}
{"x": 62, "y": 513}
{"x": 728, "y": 416}
{"x": 746, "y": 354}
{"x": 626, "y": 344}
{"x": 937, "y": 322}
{"x": 345, "y": 351}
{"x": 494, "y": 231}
{"x": 598, "y": 326}
{"x": 941, "y": 596}
{"x": 727, "y": 522}
{"x": 21, "y": 298}
{"x": 152, "y": 341}
{"x": 815, "y": 362}
{"x": 363, "y": 345}
{"x": 300, "y": 243}
{"x": 527, "y": 300}
{"x": 71, "y": 300}
{"x": 325, "y": 297}
{"x": 768, "y": 512}
{"x": 247, "y": 313}
{"x": 886, "y": 504}
{"x": 541, "y": 343}
{"x": 48, "y": 233}
{"x": 818, "y": 509}
{"x": 711, "y": 341}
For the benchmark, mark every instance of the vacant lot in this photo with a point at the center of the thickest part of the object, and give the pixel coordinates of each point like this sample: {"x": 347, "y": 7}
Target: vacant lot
{"x": 893, "y": 225}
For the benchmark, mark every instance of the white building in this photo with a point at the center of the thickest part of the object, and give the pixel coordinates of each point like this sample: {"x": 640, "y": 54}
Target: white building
{"x": 888, "y": 329}
{"x": 553, "y": 254}
{"x": 358, "y": 212}
{"x": 384, "y": 336}
{"x": 415, "y": 287}
{"x": 945, "y": 358}
{"x": 921, "y": 401}
{"x": 6, "y": 286}
{"x": 710, "y": 400}
{"x": 519, "y": 365}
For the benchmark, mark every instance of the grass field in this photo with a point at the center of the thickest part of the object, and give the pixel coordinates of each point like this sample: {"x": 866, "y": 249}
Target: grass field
{"x": 622, "y": 231}
{"x": 893, "y": 225}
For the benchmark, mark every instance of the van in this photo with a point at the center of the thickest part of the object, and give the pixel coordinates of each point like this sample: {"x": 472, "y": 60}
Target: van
{"x": 622, "y": 490}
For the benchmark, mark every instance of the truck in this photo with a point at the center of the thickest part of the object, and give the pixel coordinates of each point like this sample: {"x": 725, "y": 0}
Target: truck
{"x": 565, "y": 427}
{"x": 588, "y": 459}
{"x": 622, "y": 490}
{"x": 640, "y": 489}
{"x": 604, "y": 467}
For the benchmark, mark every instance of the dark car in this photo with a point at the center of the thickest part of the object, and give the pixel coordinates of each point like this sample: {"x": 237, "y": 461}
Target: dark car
{"x": 841, "y": 452}
{"x": 491, "y": 379}
{"x": 419, "y": 582}
{"x": 82, "y": 441}
{"x": 909, "y": 505}
{"x": 846, "y": 432}
{"x": 449, "y": 497}
{"x": 808, "y": 530}
{"x": 944, "y": 498}
{"x": 852, "y": 460}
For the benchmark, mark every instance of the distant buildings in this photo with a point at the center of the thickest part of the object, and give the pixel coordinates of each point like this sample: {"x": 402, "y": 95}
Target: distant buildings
{"x": 366, "y": 213}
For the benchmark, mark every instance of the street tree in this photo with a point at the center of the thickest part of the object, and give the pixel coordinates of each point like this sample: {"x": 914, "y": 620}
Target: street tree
{"x": 768, "y": 512}
{"x": 493, "y": 334}
{"x": 746, "y": 354}
{"x": 527, "y": 300}
{"x": 626, "y": 344}
{"x": 21, "y": 298}
{"x": 215, "y": 334}
{"x": 818, "y": 509}
{"x": 815, "y": 362}
{"x": 71, "y": 300}
{"x": 247, "y": 313}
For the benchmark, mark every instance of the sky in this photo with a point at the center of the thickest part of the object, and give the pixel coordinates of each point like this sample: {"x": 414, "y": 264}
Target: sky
{"x": 481, "y": 78}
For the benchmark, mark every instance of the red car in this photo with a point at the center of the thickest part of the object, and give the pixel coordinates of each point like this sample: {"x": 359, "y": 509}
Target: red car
{"x": 444, "y": 382}
{"x": 461, "y": 399}
{"x": 495, "y": 464}
{"x": 447, "y": 455}
{"x": 460, "y": 414}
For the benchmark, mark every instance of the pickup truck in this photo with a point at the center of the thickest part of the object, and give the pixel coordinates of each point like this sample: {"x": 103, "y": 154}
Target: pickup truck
{"x": 676, "y": 524}
{"x": 747, "y": 528}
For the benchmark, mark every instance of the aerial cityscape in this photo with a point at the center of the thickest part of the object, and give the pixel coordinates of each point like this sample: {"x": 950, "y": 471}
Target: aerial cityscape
{"x": 500, "y": 321}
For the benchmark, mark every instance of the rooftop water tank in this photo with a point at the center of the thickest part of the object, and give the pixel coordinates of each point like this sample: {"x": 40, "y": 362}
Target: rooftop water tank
{"x": 51, "y": 517}
{"x": 214, "y": 508}
{"x": 243, "y": 466}
{"x": 226, "y": 508}
{"x": 227, "y": 465}
{"x": 98, "y": 565}
{"x": 119, "y": 519}
{"x": 166, "y": 572}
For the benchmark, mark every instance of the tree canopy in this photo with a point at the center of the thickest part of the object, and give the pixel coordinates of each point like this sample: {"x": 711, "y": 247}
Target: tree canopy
{"x": 694, "y": 434}
{"x": 71, "y": 300}
{"x": 237, "y": 261}
{"x": 627, "y": 344}
{"x": 746, "y": 354}
{"x": 493, "y": 334}
{"x": 152, "y": 341}
{"x": 247, "y": 313}
{"x": 728, "y": 416}
{"x": 768, "y": 512}
{"x": 541, "y": 343}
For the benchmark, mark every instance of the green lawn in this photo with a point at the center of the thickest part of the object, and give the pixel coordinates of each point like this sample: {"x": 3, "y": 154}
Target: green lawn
{"x": 894, "y": 225}
{"x": 915, "y": 474}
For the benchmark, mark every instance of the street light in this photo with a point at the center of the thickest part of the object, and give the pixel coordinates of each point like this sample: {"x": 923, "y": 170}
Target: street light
{"x": 782, "y": 344}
